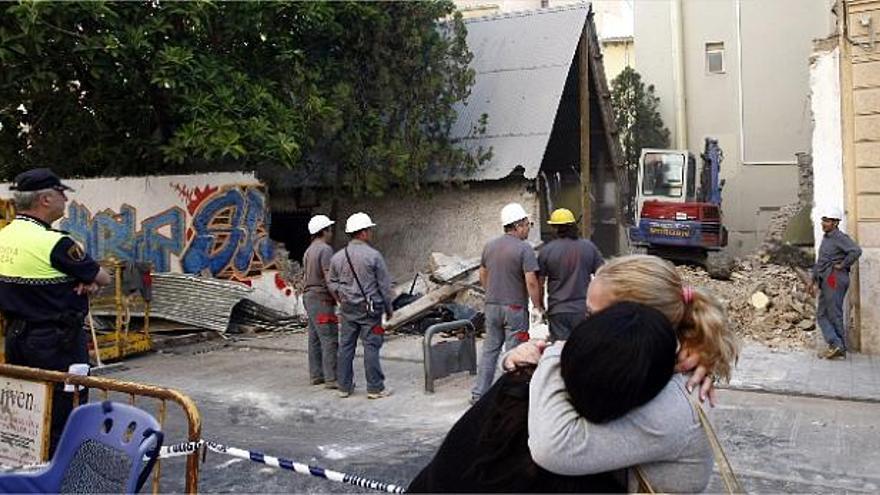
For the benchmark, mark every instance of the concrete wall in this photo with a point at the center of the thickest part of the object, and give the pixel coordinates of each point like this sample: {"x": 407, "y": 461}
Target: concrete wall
{"x": 181, "y": 223}
{"x": 454, "y": 220}
{"x": 758, "y": 108}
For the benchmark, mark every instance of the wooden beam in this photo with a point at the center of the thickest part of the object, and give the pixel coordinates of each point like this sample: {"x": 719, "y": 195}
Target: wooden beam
{"x": 584, "y": 131}
{"x": 427, "y": 302}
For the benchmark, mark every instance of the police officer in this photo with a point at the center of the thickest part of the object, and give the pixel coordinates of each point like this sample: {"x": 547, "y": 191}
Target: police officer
{"x": 508, "y": 273}
{"x": 320, "y": 304}
{"x": 360, "y": 281}
{"x": 45, "y": 281}
{"x": 837, "y": 254}
{"x": 567, "y": 264}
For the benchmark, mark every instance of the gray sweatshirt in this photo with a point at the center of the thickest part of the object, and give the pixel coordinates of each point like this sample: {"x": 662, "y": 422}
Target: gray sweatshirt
{"x": 663, "y": 436}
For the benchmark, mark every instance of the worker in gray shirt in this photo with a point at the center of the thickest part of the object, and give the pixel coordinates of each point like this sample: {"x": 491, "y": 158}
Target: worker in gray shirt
{"x": 508, "y": 273}
{"x": 360, "y": 281}
{"x": 320, "y": 304}
{"x": 567, "y": 265}
{"x": 837, "y": 254}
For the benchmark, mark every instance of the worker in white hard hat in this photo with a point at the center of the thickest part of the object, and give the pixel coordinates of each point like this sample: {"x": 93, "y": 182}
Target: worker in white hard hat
{"x": 320, "y": 304}
{"x": 509, "y": 275}
{"x": 837, "y": 254}
{"x": 360, "y": 281}
{"x": 567, "y": 265}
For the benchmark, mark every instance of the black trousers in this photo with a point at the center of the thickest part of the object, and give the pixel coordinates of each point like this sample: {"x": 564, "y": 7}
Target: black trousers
{"x": 50, "y": 346}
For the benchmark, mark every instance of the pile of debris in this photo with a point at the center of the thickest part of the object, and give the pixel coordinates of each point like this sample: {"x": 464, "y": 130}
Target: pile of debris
{"x": 449, "y": 292}
{"x": 765, "y": 302}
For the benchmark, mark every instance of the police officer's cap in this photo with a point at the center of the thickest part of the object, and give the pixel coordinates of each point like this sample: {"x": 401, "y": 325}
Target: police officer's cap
{"x": 38, "y": 179}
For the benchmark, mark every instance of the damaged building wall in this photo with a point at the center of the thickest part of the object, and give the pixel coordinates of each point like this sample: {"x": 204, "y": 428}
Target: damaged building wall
{"x": 827, "y": 144}
{"x": 210, "y": 224}
{"x": 756, "y": 105}
{"x": 456, "y": 220}
{"x": 860, "y": 108}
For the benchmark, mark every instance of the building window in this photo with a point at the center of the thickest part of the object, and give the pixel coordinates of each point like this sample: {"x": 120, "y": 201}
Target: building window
{"x": 715, "y": 58}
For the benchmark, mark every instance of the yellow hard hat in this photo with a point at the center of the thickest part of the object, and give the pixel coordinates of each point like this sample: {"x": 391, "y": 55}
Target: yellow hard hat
{"x": 561, "y": 216}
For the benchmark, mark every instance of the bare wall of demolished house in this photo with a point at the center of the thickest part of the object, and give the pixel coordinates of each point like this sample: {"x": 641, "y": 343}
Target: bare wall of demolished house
{"x": 454, "y": 220}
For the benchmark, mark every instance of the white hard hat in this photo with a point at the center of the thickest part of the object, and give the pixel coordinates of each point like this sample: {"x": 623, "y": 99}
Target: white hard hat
{"x": 358, "y": 221}
{"x": 319, "y": 223}
{"x": 832, "y": 212}
{"x": 513, "y": 212}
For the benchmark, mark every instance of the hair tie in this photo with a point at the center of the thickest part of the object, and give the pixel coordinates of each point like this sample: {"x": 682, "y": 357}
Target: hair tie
{"x": 687, "y": 294}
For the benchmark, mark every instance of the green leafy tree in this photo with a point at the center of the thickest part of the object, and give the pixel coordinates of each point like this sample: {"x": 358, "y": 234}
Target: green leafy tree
{"x": 364, "y": 90}
{"x": 638, "y": 121}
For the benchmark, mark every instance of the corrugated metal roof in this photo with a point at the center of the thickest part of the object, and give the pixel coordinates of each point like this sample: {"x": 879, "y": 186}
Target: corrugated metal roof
{"x": 521, "y": 61}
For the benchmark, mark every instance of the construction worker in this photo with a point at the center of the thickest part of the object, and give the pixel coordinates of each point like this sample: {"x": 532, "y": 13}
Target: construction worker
{"x": 320, "y": 304}
{"x": 508, "y": 273}
{"x": 567, "y": 265}
{"x": 837, "y": 254}
{"x": 45, "y": 281}
{"x": 360, "y": 281}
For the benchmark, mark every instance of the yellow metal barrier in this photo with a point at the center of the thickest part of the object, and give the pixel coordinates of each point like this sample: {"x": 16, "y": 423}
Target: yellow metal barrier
{"x": 123, "y": 340}
{"x": 133, "y": 390}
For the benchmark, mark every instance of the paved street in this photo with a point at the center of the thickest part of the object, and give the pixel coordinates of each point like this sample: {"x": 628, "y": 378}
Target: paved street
{"x": 252, "y": 394}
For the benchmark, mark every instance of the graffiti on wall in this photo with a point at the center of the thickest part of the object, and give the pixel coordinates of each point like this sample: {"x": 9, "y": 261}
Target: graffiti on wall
{"x": 224, "y": 230}
{"x": 228, "y": 233}
{"x": 110, "y": 234}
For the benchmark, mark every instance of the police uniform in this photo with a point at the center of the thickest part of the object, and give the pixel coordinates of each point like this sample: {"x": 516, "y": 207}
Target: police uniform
{"x": 39, "y": 270}
{"x": 358, "y": 321}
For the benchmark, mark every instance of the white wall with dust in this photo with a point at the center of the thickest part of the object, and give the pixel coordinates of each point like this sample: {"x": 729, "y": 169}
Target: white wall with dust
{"x": 827, "y": 140}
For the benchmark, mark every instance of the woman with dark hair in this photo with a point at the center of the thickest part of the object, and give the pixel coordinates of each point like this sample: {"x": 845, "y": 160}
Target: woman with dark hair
{"x": 616, "y": 361}
{"x": 664, "y": 437}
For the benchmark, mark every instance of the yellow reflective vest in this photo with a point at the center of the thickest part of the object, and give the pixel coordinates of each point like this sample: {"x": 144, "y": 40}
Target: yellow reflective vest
{"x": 25, "y": 250}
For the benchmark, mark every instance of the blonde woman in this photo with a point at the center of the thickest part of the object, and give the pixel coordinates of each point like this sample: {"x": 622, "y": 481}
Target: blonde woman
{"x": 663, "y": 436}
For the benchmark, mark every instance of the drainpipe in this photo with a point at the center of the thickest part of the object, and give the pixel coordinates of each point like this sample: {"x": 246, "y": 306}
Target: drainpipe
{"x": 678, "y": 79}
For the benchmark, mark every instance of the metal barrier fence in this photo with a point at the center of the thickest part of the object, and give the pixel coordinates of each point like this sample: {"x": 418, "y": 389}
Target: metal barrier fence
{"x": 449, "y": 357}
{"x": 133, "y": 390}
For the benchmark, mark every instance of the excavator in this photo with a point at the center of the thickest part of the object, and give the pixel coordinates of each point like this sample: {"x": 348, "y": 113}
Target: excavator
{"x": 678, "y": 208}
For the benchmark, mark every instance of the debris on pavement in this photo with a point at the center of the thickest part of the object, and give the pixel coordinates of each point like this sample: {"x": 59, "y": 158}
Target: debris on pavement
{"x": 451, "y": 277}
{"x": 765, "y": 302}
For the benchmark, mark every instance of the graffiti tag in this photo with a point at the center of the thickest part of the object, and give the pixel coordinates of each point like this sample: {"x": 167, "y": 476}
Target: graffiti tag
{"x": 229, "y": 234}
{"x": 109, "y": 234}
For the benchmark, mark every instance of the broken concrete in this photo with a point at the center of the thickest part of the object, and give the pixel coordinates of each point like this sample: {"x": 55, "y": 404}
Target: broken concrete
{"x": 765, "y": 302}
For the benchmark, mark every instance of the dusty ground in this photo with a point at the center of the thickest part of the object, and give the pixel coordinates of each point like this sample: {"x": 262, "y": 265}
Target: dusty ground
{"x": 253, "y": 395}
{"x": 788, "y": 320}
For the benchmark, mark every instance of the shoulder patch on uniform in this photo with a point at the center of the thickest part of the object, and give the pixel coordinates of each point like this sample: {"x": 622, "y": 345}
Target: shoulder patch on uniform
{"x": 75, "y": 252}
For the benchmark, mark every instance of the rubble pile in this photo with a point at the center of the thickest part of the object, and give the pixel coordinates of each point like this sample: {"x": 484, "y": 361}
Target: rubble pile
{"x": 765, "y": 302}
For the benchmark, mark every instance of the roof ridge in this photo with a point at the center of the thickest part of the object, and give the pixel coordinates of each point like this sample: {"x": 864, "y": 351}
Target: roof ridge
{"x": 527, "y": 13}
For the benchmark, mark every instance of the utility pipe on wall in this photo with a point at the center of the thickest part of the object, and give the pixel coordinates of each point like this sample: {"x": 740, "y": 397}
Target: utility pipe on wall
{"x": 678, "y": 78}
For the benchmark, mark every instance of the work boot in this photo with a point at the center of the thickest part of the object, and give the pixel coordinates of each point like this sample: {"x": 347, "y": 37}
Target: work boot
{"x": 833, "y": 352}
{"x": 386, "y": 392}
{"x": 317, "y": 381}
{"x": 331, "y": 384}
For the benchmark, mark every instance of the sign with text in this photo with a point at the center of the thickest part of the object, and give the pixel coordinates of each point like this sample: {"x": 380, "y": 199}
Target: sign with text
{"x": 25, "y": 411}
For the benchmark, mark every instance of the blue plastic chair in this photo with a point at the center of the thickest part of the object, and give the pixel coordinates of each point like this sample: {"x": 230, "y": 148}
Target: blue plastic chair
{"x": 102, "y": 450}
